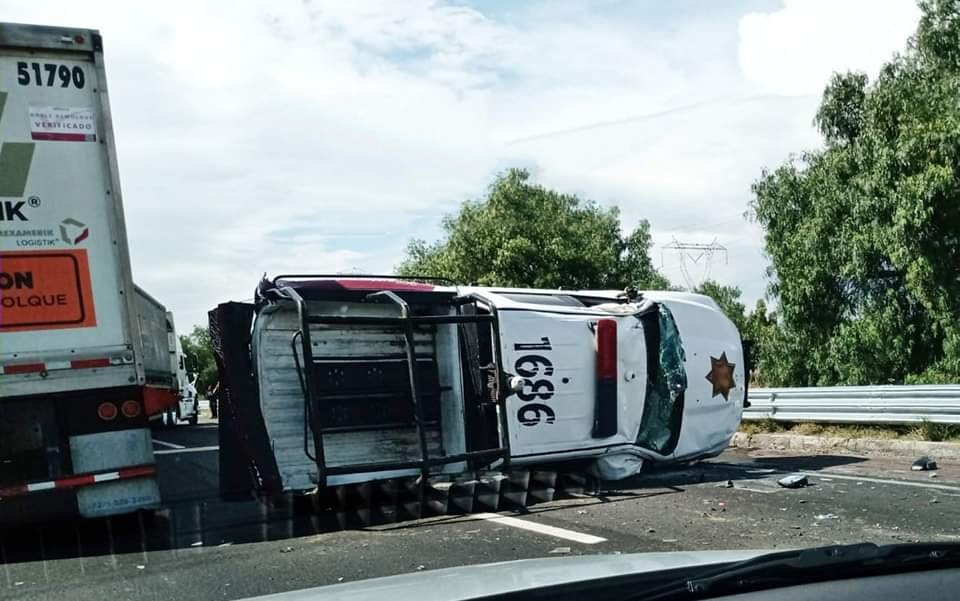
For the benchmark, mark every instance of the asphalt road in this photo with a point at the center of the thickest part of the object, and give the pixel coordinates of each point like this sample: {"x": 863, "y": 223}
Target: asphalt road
{"x": 200, "y": 547}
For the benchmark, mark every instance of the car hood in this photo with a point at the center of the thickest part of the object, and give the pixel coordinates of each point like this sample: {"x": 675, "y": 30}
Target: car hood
{"x": 496, "y": 578}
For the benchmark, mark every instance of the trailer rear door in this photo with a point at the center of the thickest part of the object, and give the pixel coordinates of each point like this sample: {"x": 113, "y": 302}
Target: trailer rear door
{"x": 66, "y": 288}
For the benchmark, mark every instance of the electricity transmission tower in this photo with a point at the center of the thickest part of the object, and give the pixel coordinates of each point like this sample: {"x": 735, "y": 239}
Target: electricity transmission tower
{"x": 693, "y": 253}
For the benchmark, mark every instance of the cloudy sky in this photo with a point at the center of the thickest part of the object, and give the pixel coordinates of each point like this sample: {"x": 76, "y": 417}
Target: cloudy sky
{"x": 310, "y": 136}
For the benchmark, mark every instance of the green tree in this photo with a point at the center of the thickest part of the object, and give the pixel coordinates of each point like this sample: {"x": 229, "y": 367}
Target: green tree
{"x": 524, "y": 235}
{"x": 198, "y": 350}
{"x": 728, "y": 297}
{"x": 862, "y": 234}
{"x": 761, "y": 331}
{"x": 758, "y": 328}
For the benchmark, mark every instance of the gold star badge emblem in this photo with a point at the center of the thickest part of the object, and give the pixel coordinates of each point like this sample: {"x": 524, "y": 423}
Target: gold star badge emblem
{"x": 721, "y": 375}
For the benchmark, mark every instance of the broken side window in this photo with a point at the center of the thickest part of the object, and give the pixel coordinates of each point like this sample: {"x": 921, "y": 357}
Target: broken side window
{"x": 666, "y": 383}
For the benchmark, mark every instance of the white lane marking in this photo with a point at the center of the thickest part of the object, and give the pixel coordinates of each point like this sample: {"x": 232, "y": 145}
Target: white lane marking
{"x": 577, "y": 537}
{"x": 830, "y": 475}
{"x": 186, "y": 450}
{"x": 168, "y": 444}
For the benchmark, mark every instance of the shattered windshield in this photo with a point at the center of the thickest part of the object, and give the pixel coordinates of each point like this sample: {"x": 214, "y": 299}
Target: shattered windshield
{"x": 309, "y": 293}
{"x": 666, "y": 383}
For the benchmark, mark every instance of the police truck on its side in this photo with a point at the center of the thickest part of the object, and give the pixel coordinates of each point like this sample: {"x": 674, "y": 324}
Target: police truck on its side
{"x": 335, "y": 380}
{"x": 84, "y": 354}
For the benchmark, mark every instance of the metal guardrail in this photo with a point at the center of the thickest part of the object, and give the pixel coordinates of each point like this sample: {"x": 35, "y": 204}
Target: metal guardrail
{"x": 939, "y": 404}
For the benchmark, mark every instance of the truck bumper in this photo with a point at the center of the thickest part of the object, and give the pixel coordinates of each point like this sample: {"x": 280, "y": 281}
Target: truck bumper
{"x": 85, "y": 495}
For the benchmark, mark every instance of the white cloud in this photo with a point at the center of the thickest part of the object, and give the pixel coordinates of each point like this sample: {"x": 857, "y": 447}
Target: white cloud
{"x": 794, "y": 50}
{"x": 320, "y": 136}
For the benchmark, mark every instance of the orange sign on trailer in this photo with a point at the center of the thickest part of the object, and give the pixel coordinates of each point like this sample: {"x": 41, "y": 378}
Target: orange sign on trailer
{"x": 45, "y": 290}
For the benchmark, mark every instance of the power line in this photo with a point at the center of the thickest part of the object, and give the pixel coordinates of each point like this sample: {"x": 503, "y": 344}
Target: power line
{"x": 694, "y": 252}
{"x": 645, "y": 117}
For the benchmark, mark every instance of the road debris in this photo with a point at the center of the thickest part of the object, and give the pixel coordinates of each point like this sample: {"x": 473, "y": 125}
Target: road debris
{"x": 421, "y": 567}
{"x": 286, "y": 549}
{"x": 826, "y": 516}
{"x": 793, "y": 481}
{"x": 933, "y": 474}
{"x": 924, "y": 464}
{"x": 727, "y": 484}
{"x": 561, "y": 550}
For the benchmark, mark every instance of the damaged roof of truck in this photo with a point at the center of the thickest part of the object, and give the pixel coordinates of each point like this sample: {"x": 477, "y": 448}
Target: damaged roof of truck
{"x": 326, "y": 286}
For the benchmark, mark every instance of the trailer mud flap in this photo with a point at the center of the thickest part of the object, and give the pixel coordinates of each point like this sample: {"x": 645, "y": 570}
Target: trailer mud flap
{"x": 246, "y": 461}
{"x": 109, "y": 498}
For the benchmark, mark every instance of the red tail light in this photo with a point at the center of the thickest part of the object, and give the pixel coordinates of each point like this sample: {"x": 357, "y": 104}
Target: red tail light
{"x": 24, "y": 368}
{"x": 130, "y": 408}
{"x": 89, "y": 363}
{"x": 107, "y": 411}
{"x": 605, "y": 412}
{"x": 606, "y": 349}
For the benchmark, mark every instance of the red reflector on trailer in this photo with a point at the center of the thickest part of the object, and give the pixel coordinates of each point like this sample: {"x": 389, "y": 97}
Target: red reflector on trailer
{"x": 79, "y": 480}
{"x": 89, "y": 363}
{"x": 136, "y": 472}
{"x": 606, "y": 349}
{"x": 24, "y": 368}
{"x": 107, "y": 411}
{"x": 130, "y": 408}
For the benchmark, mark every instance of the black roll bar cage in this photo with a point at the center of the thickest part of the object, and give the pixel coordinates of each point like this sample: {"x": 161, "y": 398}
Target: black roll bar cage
{"x": 407, "y": 321}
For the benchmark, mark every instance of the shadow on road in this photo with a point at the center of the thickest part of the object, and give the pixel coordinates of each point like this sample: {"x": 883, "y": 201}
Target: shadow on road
{"x": 721, "y": 471}
{"x": 207, "y": 521}
{"x": 806, "y": 463}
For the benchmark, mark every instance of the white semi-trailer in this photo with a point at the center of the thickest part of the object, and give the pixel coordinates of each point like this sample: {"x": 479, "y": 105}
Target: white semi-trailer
{"x": 84, "y": 354}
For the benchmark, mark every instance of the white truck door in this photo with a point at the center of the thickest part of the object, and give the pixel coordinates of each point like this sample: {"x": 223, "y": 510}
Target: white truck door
{"x": 556, "y": 354}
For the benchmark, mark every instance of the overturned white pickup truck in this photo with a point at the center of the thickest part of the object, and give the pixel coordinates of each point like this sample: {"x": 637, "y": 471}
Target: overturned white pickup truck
{"x": 329, "y": 380}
